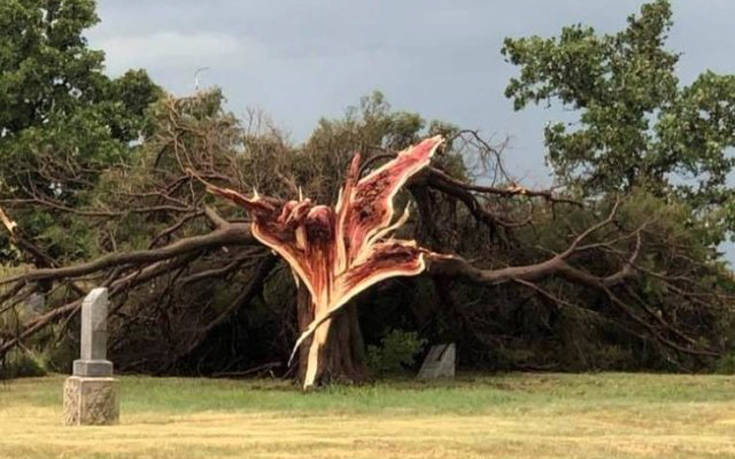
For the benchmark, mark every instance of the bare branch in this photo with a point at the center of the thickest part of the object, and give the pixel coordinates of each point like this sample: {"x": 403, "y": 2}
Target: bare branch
{"x": 235, "y": 233}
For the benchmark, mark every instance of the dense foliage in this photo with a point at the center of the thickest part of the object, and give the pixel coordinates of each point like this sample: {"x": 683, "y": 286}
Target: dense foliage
{"x": 638, "y": 126}
{"x": 62, "y": 121}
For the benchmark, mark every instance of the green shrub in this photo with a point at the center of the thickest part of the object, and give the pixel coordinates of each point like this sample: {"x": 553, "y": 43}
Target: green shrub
{"x": 396, "y": 352}
{"x": 726, "y": 364}
{"x": 19, "y": 364}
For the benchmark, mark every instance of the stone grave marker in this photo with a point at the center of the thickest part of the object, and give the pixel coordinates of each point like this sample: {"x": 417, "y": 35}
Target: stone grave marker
{"x": 439, "y": 363}
{"x": 90, "y": 394}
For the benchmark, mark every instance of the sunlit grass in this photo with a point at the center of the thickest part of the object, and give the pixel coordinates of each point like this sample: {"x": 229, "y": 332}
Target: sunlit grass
{"x": 519, "y": 415}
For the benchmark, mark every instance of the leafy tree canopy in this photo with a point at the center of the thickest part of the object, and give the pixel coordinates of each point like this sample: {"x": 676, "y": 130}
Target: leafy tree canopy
{"x": 62, "y": 120}
{"x": 638, "y": 126}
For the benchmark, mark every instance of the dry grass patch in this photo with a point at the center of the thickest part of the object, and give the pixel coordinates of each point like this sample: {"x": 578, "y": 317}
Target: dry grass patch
{"x": 517, "y": 415}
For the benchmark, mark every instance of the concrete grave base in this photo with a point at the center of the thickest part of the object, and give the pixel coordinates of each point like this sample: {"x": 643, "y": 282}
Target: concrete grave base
{"x": 96, "y": 368}
{"x": 90, "y": 401}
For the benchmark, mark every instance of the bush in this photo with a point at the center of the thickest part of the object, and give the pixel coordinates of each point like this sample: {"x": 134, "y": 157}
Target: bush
{"x": 396, "y": 352}
{"x": 726, "y": 364}
{"x": 19, "y": 364}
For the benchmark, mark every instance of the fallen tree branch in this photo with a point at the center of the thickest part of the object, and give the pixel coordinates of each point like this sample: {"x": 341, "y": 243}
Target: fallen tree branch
{"x": 234, "y": 233}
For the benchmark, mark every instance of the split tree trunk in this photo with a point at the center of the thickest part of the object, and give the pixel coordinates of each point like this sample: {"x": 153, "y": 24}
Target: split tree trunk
{"x": 340, "y": 353}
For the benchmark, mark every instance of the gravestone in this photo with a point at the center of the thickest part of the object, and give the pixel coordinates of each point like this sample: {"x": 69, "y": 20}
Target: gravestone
{"x": 439, "y": 362}
{"x": 90, "y": 394}
{"x": 93, "y": 361}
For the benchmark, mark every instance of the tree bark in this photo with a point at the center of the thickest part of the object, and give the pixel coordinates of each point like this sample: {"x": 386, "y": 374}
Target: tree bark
{"x": 340, "y": 353}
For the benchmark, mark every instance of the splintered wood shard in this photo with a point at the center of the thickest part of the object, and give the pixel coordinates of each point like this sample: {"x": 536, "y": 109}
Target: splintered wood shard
{"x": 339, "y": 252}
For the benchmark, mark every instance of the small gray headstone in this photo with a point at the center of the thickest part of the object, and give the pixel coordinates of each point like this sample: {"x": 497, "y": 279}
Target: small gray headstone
{"x": 439, "y": 363}
{"x": 93, "y": 361}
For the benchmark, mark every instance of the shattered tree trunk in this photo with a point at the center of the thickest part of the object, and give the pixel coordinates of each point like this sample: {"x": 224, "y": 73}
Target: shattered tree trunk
{"x": 342, "y": 357}
{"x": 337, "y": 252}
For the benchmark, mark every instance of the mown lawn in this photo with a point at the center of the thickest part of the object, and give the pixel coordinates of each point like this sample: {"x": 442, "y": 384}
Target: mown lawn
{"x": 513, "y": 415}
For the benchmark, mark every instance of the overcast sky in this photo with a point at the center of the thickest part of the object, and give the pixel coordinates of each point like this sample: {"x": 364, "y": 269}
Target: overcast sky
{"x": 301, "y": 60}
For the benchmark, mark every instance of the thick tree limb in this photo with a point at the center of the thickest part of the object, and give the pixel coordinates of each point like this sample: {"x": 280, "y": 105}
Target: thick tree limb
{"x": 437, "y": 176}
{"x": 454, "y": 266}
{"x": 235, "y": 233}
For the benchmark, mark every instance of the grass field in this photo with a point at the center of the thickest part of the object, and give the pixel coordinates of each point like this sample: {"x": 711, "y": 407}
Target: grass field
{"x": 514, "y": 415}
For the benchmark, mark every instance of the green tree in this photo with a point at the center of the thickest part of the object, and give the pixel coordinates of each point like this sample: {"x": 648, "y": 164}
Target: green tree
{"x": 62, "y": 120}
{"x": 638, "y": 126}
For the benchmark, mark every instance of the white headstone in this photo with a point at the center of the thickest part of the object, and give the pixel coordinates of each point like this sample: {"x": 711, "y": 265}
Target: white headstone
{"x": 93, "y": 361}
{"x": 439, "y": 363}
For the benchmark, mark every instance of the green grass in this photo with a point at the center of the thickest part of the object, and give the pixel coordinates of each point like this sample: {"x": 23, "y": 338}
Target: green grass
{"x": 519, "y": 415}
